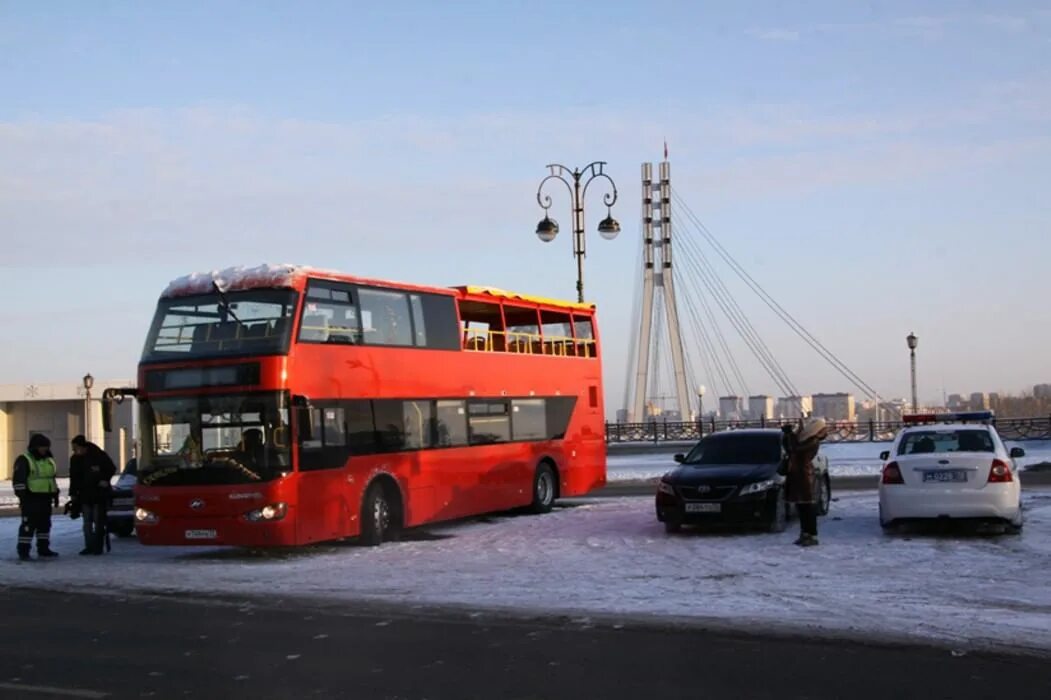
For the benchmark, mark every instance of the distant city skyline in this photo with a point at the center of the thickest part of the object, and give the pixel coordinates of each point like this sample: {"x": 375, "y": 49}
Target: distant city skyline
{"x": 879, "y": 169}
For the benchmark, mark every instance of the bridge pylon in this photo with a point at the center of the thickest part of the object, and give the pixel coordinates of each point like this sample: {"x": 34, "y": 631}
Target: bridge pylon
{"x": 658, "y": 274}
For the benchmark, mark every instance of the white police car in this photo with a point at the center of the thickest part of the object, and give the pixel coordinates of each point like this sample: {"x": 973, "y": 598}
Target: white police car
{"x": 950, "y": 466}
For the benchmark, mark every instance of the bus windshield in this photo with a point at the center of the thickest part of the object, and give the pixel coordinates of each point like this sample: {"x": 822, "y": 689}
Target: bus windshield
{"x": 250, "y": 322}
{"x": 214, "y": 439}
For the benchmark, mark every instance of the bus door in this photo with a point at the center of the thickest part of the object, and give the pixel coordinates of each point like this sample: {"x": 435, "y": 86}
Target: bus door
{"x": 323, "y": 509}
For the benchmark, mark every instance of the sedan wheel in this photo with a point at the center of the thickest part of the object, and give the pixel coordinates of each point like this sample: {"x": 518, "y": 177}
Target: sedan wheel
{"x": 824, "y": 494}
{"x": 779, "y": 518}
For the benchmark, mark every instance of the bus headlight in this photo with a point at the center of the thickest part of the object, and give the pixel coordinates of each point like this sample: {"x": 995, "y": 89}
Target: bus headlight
{"x": 268, "y": 513}
{"x": 145, "y": 516}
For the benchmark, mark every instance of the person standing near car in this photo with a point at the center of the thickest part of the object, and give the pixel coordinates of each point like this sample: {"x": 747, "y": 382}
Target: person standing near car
{"x": 801, "y": 448}
{"x": 90, "y": 473}
{"x": 37, "y": 491}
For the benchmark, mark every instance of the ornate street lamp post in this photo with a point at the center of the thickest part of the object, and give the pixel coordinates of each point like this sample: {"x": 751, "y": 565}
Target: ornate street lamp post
{"x": 89, "y": 382}
{"x": 577, "y": 181}
{"x": 913, "y": 341}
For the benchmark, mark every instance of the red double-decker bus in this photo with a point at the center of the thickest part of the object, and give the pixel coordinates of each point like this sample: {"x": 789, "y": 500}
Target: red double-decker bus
{"x": 285, "y": 405}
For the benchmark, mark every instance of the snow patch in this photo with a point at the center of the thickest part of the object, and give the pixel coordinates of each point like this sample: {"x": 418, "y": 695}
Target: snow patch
{"x": 235, "y": 278}
{"x": 604, "y": 557}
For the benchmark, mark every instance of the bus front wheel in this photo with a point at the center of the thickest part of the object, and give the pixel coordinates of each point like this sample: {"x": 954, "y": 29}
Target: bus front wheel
{"x": 380, "y": 519}
{"x": 545, "y": 486}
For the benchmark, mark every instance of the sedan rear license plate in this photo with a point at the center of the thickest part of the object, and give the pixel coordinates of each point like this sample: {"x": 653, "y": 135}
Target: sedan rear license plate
{"x": 946, "y": 475}
{"x": 200, "y": 534}
{"x": 123, "y": 501}
{"x": 703, "y": 507}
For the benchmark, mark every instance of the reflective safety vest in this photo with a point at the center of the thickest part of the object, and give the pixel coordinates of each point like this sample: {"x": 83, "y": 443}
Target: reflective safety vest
{"x": 41, "y": 477}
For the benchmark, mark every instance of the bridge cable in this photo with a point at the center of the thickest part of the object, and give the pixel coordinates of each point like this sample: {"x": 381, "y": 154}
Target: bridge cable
{"x": 720, "y": 339}
{"x": 735, "y": 314}
{"x": 708, "y": 354}
{"x": 633, "y": 338}
{"x": 774, "y": 306}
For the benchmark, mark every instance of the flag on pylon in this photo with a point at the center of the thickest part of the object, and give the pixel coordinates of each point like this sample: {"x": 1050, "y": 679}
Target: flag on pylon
{"x": 665, "y": 149}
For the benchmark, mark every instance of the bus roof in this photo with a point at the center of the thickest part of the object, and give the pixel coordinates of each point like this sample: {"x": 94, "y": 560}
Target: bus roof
{"x": 288, "y": 276}
{"x": 515, "y": 296}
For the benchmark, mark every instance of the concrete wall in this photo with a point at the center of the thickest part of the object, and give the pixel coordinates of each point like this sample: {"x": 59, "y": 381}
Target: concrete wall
{"x": 57, "y": 410}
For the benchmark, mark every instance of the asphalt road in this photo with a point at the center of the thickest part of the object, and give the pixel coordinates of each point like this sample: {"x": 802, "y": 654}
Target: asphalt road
{"x": 64, "y": 645}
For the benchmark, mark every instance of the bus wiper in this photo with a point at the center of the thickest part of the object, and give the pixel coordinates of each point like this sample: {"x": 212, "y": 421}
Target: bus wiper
{"x": 224, "y": 303}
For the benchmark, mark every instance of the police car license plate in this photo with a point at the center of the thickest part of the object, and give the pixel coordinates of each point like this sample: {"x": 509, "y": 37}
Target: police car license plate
{"x": 200, "y": 534}
{"x": 703, "y": 507}
{"x": 946, "y": 476}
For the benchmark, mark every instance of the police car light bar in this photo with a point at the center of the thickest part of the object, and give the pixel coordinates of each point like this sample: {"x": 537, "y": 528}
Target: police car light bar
{"x": 963, "y": 417}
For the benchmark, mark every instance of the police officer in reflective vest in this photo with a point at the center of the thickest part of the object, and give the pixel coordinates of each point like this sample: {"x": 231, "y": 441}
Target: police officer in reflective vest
{"x": 37, "y": 492}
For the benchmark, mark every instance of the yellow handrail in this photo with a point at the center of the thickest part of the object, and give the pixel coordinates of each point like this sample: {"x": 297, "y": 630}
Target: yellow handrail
{"x": 478, "y": 340}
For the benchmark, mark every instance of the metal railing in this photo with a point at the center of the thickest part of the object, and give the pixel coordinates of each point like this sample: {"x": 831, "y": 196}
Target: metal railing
{"x": 863, "y": 431}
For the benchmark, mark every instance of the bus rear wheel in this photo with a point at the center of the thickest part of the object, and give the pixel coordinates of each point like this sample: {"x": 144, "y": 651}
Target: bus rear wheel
{"x": 380, "y": 516}
{"x": 545, "y": 487}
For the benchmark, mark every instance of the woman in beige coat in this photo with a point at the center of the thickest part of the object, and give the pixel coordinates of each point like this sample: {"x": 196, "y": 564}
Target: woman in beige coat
{"x": 802, "y": 447}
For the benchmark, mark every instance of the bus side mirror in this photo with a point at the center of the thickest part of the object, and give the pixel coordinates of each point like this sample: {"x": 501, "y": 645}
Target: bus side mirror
{"x": 304, "y": 413}
{"x": 884, "y": 455}
{"x": 110, "y": 397}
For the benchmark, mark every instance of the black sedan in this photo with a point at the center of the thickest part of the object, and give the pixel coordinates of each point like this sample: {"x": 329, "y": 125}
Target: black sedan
{"x": 120, "y": 519}
{"x": 732, "y": 477}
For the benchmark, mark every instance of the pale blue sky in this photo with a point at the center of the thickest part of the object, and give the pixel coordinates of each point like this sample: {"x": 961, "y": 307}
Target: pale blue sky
{"x": 879, "y": 167}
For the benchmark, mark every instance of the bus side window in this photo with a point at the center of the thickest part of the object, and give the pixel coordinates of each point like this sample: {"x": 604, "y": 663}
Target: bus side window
{"x": 482, "y": 327}
{"x": 451, "y": 421}
{"x": 523, "y": 329}
{"x": 387, "y": 316}
{"x": 558, "y": 333}
{"x": 585, "y": 337}
{"x": 330, "y": 315}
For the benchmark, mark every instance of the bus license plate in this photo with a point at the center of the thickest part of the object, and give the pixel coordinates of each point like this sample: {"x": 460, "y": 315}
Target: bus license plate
{"x": 703, "y": 507}
{"x": 948, "y": 475}
{"x": 200, "y": 534}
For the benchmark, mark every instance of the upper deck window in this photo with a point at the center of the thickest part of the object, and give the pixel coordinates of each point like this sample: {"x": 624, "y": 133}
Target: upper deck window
{"x": 330, "y": 315}
{"x": 251, "y": 322}
{"x": 346, "y": 314}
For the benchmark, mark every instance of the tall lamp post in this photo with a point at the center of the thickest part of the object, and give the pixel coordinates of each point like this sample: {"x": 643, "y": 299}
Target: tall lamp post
{"x": 913, "y": 341}
{"x": 577, "y": 181}
{"x": 89, "y": 382}
{"x": 700, "y": 402}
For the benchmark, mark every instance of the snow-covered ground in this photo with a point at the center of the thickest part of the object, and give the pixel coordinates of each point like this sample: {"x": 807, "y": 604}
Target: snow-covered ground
{"x": 844, "y": 459}
{"x": 611, "y": 557}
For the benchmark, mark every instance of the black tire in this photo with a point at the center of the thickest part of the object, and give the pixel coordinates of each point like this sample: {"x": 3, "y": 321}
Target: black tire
{"x": 779, "y": 518}
{"x": 672, "y": 527}
{"x": 888, "y": 527}
{"x": 1015, "y": 528}
{"x": 122, "y": 529}
{"x": 379, "y": 517}
{"x": 824, "y": 494}
{"x": 545, "y": 487}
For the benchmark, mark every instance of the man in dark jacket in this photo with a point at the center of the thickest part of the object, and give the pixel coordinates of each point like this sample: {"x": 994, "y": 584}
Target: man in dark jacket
{"x": 37, "y": 491}
{"x": 90, "y": 472}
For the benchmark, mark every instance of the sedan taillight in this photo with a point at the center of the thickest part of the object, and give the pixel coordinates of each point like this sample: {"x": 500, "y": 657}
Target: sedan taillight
{"x": 1000, "y": 472}
{"x": 892, "y": 474}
